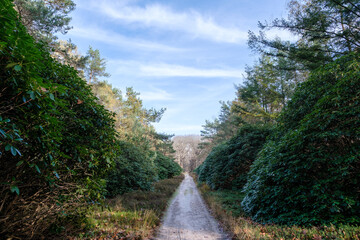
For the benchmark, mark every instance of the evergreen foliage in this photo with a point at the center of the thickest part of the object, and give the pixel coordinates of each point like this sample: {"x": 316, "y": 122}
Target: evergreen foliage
{"x": 227, "y": 165}
{"x": 43, "y": 19}
{"x": 166, "y": 167}
{"x": 326, "y": 29}
{"x": 95, "y": 66}
{"x": 309, "y": 172}
{"x": 55, "y": 140}
{"x": 134, "y": 170}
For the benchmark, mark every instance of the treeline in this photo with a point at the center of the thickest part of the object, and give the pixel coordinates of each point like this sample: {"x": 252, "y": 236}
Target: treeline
{"x": 65, "y": 144}
{"x": 290, "y": 140}
{"x": 187, "y": 153}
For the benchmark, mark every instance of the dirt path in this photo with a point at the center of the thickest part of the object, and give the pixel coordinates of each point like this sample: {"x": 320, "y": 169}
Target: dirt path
{"x": 187, "y": 217}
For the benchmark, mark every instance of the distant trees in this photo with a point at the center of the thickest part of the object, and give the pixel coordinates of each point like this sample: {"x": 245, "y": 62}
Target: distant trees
{"x": 187, "y": 151}
{"x": 145, "y": 155}
{"x": 95, "y": 66}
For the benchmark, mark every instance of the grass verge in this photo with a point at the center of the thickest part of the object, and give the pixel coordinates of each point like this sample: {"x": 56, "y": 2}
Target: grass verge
{"x": 225, "y": 206}
{"x": 134, "y": 215}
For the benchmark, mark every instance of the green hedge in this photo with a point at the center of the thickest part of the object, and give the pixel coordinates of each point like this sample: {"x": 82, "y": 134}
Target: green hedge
{"x": 166, "y": 167}
{"x": 55, "y": 140}
{"x": 227, "y": 165}
{"x": 310, "y": 172}
{"x": 136, "y": 169}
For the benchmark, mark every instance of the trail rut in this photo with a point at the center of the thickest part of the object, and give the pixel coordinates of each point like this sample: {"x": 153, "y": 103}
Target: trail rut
{"x": 188, "y": 218}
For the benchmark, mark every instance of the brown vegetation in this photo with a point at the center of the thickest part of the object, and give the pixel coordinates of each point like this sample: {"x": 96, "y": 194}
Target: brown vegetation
{"x": 134, "y": 215}
{"x": 188, "y": 154}
{"x": 224, "y": 207}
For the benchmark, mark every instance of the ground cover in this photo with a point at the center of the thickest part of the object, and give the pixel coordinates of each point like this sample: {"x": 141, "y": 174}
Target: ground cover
{"x": 225, "y": 206}
{"x": 134, "y": 215}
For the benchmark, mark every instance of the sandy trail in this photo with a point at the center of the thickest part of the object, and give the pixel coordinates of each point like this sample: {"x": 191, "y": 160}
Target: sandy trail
{"x": 187, "y": 217}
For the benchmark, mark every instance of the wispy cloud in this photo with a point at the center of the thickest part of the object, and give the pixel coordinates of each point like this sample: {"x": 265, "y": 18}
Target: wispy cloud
{"x": 162, "y": 17}
{"x": 168, "y": 70}
{"x": 156, "y": 95}
{"x": 118, "y": 40}
{"x": 148, "y": 69}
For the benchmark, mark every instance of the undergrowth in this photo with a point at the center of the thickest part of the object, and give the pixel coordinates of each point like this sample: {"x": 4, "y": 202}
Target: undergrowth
{"x": 225, "y": 206}
{"x": 134, "y": 215}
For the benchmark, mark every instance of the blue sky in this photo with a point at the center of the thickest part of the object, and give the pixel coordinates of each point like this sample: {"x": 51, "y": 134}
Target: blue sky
{"x": 183, "y": 55}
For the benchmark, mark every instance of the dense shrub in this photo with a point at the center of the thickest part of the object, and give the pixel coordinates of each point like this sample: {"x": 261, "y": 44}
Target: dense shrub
{"x": 310, "y": 172}
{"x": 227, "y": 165}
{"x": 134, "y": 170}
{"x": 166, "y": 167}
{"x": 55, "y": 140}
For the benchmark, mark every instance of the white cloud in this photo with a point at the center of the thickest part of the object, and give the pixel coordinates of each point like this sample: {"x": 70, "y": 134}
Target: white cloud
{"x": 168, "y": 70}
{"x": 118, "y": 40}
{"x": 162, "y": 17}
{"x": 144, "y": 69}
{"x": 156, "y": 95}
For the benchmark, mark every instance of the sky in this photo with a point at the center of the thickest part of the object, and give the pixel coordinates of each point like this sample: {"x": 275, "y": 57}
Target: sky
{"x": 182, "y": 55}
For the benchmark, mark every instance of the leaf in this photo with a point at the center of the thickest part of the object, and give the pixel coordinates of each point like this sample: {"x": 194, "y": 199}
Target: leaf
{"x": 52, "y": 96}
{"x": 15, "y": 188}
{"x": 37, "y": 168}
{"x": 8, "y": 147}
{"x": 17, "y": 68}
{"x": 11, "y": 65}
{"x": 3, "y": 133}
{"x": 18, "y": 151}
{"x": 13, "y": 151}
{"x": 19, "y": 163}
{"x": 32, "y": 95}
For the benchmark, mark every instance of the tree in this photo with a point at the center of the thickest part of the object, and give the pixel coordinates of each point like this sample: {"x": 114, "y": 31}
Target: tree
{"x": 67, "y": 53}
{"x": 188, "y": 154}
{"x": 265, "y": 91}
{"x": 95, "y": 66}
{"x": 327, "y": 29}
{"x": 221, "y": 128}
{"x": 44, "y": 18}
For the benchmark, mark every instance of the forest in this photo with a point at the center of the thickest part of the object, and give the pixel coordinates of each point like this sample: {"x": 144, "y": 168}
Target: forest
{"x": 285, "y": 151}
{"x": 80, "y": 159}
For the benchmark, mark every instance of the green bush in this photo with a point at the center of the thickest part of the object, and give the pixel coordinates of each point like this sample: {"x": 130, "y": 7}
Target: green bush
{"x": 134, "y": 170}
{"x": 55, "y": 140}
{"x": 166, "y": 167}
{"x": 309, "y": 173}
{"x": 227, "y": 165}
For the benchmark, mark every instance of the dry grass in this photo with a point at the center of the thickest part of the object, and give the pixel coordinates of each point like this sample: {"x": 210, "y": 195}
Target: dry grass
{"x": 134, "y": 215}
{"x": 225, "y": 207}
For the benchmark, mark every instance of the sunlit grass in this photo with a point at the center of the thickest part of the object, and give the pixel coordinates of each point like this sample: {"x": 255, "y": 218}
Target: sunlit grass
{"x": 225, "y": 205}
{"x": 134, "y": 215}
